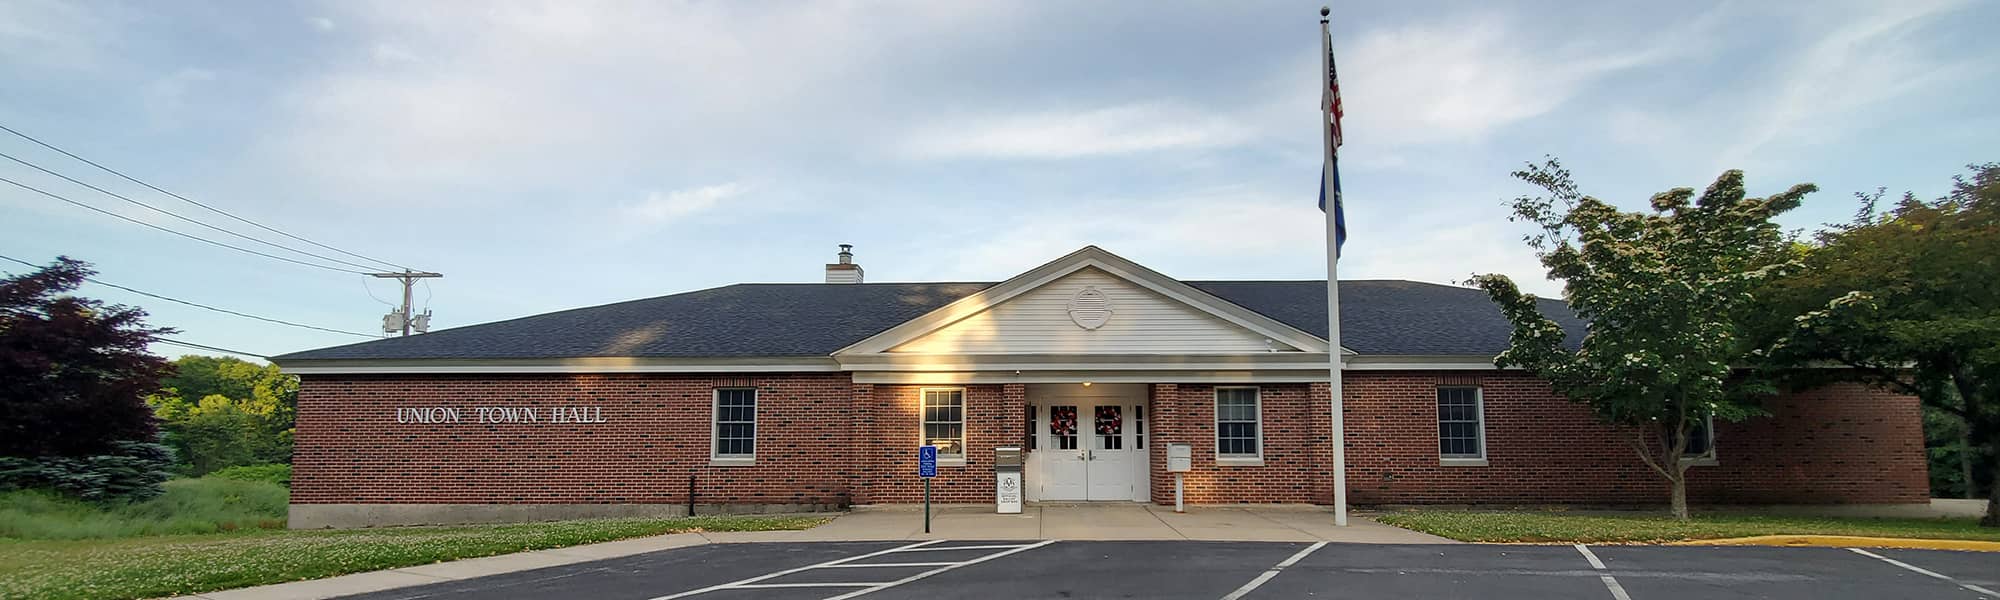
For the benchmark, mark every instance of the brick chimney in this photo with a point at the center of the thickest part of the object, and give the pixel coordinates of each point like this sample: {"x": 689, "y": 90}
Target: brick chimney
{"x": 844, "y": 271}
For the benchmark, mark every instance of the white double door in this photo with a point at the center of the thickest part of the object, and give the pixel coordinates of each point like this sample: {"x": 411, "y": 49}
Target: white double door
{"x": 1090, "y": 448}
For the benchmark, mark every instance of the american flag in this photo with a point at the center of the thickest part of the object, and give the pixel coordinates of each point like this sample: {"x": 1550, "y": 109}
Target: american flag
{"x": 1331, "y": 102}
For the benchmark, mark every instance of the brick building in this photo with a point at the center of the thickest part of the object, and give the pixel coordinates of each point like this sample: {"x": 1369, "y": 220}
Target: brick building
{"x": 808, "y": 396}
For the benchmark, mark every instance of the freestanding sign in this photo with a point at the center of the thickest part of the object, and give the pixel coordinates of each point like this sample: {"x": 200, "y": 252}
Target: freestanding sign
{"x": 927, "y": 461}
{"x": 927, "y": 468}
{"x": 1007, "y": 480}
{"x": 1180, "y": 459}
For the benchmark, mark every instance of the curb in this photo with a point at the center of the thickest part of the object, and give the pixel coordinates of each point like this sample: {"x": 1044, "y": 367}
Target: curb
{"x": 455, "y": 570}
{"x": 1846, "y": 541}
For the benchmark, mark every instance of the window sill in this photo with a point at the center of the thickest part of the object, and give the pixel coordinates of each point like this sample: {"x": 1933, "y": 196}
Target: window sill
{"x": 1700, "y": 461}
{"x": 951, "y": 462}
{"x": 1245, "y": 461}
{"x": 732, "y": 461}
{"x": 1461, "y": 462}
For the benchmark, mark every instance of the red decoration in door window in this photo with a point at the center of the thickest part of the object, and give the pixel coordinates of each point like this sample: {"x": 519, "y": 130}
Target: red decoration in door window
{"x": 1109, "y": 420}
{"x": 1062, "y": 420}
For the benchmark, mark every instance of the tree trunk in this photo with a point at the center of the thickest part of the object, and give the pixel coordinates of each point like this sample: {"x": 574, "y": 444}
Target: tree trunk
{"x": 1965, "y": 454}
{"x": 1993, "y": 498}
{"x": 1680, "y": 502}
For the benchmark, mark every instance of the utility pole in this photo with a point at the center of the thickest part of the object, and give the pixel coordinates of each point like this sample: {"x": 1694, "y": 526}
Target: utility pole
{"x": 402, "y": 315}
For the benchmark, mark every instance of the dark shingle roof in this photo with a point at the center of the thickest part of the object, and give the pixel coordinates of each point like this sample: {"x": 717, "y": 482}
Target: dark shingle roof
{"x": 814, "y": 319}
{"x": 1391, "y": 316}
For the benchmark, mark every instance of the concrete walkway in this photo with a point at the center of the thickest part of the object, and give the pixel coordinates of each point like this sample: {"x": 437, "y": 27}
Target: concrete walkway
{"x": 1108, "y": 521}
{"x": 1111, "y": 521}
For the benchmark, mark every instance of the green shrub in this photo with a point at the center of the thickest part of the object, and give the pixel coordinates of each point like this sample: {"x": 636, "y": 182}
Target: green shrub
{"x": 132, "y": 471}
{"x": 206, "y": 505}
{"x": 278, "y": 474}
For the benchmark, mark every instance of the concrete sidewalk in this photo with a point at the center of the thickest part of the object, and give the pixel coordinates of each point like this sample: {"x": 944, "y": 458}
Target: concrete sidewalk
{"x": 1110, "y": 521}
{"x": 1107, "y": 521}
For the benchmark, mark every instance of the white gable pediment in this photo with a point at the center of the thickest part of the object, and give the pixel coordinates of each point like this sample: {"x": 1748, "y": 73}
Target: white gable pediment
{"x": 1091, "y": 312}
{"x": 1089, "y": 302}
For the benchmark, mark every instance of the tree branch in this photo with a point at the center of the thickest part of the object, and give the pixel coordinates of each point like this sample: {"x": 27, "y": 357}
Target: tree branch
{"x": 1639, "y": 446}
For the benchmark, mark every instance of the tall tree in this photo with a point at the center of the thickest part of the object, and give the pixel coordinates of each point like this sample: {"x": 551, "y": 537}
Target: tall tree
{"x": 74, "y": 372}
{"x": 1665, "y": 294}
{"x": 222, "y": 412}
{"x": 1909, "y": 299}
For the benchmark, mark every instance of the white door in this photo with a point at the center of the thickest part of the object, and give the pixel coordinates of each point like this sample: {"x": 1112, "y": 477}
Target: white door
{"x": 1111, "y": 460}
{"x": 1064, "y": 473}
{"x": 1088, "y": 442}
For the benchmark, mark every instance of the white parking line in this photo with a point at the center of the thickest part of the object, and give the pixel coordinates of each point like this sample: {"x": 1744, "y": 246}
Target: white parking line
{"x": 757, "y": 586}
{"x": 837, "y": 561}
{"x": 1610, "y": 583}
{"x": 949, "y": 548}
{"x": 869, "y": 586}
{"x": 1016, "y": 550}
{"x": 1273, "y": 572}
{"x": 1924, "y": 571}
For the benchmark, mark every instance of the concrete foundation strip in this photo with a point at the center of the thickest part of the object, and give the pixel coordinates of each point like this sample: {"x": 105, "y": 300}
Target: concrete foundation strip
{"x": 1923, "y": 571}
{"x": 1610, "y": 583}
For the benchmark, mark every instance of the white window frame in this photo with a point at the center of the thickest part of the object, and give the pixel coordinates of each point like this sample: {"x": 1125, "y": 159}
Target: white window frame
{"x": 1139, "y": 430}
{"x": 1705, "y": 459}
{"x": 715, "y": 455}
{"x": 1239, "y": 460}
{"x": 964, "y": 407}
{"x": 1479, "y": 411}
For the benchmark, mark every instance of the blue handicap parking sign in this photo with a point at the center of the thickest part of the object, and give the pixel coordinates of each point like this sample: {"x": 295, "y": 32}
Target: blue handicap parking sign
{"x": 927, "y": 461}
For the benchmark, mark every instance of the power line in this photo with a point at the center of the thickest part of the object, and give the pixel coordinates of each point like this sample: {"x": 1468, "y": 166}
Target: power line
{"x": 191, "y": 200}
{"x": 178, "y": 215}
{"x": 200, "y": 305}
{"x": 185, "y": 235}
{"x": 207, "y": 347}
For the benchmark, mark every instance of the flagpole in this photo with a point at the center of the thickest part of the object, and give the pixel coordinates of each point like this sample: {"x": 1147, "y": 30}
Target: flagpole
{"x": 1328, "y": 192}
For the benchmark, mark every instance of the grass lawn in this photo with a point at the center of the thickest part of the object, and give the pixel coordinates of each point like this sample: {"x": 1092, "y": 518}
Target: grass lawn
{"x": 168, "y": 565}
{"x": 1531, "y": 527}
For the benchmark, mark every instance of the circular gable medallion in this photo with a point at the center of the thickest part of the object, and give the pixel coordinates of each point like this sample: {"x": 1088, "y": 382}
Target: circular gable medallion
{"x": 1089, "y": 308}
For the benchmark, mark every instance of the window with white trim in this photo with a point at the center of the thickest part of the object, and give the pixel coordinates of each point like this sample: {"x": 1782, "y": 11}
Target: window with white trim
{"x": 944, "y": 421}
{"x": 735, "y": 423}
{"x": 1701, "y": 440}
{"x": 1461, "y": 423}
{"x": 1238, "y": 423}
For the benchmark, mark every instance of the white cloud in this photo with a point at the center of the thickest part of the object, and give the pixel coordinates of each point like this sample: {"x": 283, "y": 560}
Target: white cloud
{"x": 1111, "y": 130}
{"x": 1872, "y": 57}
{"x": 56, "y": 34}
{"x": 166, "y": 97}
{"x": 321, "y": 23}
{"x": 1458, "y": 80}
{"x": 389, "y": 52}
{"x": 539, "y": 91}
{"x": 661, "y": 209}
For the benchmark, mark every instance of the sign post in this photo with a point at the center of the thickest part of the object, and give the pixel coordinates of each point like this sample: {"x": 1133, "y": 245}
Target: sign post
{"x": 927, "y": 468}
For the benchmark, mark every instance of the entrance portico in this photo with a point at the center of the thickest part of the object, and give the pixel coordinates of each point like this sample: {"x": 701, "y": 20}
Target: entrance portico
{"x": 1088, "y": 340}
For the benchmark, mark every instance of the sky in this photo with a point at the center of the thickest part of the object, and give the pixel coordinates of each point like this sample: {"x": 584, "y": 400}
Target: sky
{"x": 551, "y": 155}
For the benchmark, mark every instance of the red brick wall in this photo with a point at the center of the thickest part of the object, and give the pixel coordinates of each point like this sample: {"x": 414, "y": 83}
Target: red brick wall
{"x": 1842, "y": 444}
{"x": 350, "y": 449}
{"x": 994, "y": 416}
{"x": 1294, "y": 428}
{"x": 824, "y": 439}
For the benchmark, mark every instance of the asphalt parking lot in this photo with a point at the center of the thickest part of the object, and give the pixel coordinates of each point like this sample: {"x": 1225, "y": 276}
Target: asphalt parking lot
{"x": 1239, "y": 570}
